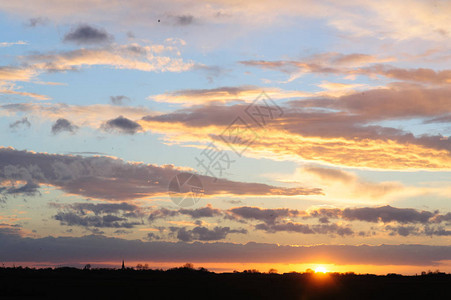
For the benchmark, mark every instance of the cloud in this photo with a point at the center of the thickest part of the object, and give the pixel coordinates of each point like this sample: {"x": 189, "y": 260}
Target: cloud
{"x": 133, "y": 56}
{"x": 119, "y": 100}
{"x": 383, "y": 214}
{"x": 416, "y": 231}
{"x": 162, "y": 213}
{"x": 203, "y": 212}
{"x": 110, "y": 178}
{"x": 321, "y": 130}
{"x": 26, "y": 94}
{"x": 106, "y": 221}
{"x": 330, "y": 174}
{"x": 442, "y": 218}
{"x": 8, "y": 76}
{"x": 387, "y": 214}
{"x": 147, "y": 58}
{"x": 101, "y": 208}
{"x": 8, "y": 44}
{"x": 86, "y": 34}
{"x": 38, "y": 21}
{"x": 395, "y": 103}
{"x": 84, "y": 115}
{"x": 269, "y": 216}
{"x": 100, "y": 248}
{"x": 359, "y": 19}
{"x": 24, "y": 121}
{"x": 306, "y": 228}
{"x": 10, "y": 230}
{"x": 29, "y": 189}
{"x": 349, "y": 185}
{"x": 201, "y": 233}
{"x": 16, "y": 73}
{"x": 283, "y": 219}
{"x": 152, "y": 236}
{"x": 122, "y": 125}
{"x": 102, "y": 215}
{"x": 437, "y": 231}
{"x": 224, "y": 94}
{"x": 184, "y": 20}
{"x": 422, "y": 75}
{"x": 62, "y": 125}
{"x": 352, "y": 65}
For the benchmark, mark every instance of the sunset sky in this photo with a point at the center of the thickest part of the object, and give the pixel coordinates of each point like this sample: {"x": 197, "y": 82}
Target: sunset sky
{"x": 318, "y": 131}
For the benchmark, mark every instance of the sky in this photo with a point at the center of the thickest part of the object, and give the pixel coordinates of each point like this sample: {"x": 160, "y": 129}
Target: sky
{"x": 233, "y": 135}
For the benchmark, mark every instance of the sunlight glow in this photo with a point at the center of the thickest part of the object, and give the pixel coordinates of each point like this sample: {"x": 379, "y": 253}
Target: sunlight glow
{"x": 320, "y": 269}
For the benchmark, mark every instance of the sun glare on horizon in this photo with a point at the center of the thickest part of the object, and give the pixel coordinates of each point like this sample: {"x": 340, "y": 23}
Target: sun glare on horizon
{"x": 320, "y": 269}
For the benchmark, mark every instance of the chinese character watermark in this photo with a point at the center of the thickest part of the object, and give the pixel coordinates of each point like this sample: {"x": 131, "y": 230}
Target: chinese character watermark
{"x": 239, "y": 135}
{"x": 185, "y": 189}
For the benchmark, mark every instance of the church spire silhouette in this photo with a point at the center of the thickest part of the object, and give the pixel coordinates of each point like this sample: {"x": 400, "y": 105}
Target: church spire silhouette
{"x": 123, "y": 265}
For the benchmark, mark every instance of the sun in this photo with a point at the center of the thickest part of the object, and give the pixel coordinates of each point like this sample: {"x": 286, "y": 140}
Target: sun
{"x": 320, "y": 269}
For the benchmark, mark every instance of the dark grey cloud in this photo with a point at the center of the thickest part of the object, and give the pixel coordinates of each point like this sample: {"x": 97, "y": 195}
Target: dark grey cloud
{"x": 387, "y": 214}
{"x": 119, "y": 100}
{"x": 29, "y": 189}
{"x": 184, "y": 20}
{"x": 439, "y": 231}
{"x": 201, "y": 233}
{"x": 306, "y": 228}
{"x": 290, "y": 227}
{"x": 426, "y": 230}
{"x": 152, "y": 236}
{"x": 86, "y": 34}
{"x": 162, "y": 213}
{"x": 275, "y": 219}
{"x": 100, "y": 208}
{"x": 403, "y": 230}
{"x": 379, "y": 214}
{"x": 22, "y": 122}
{"x": 62, "y": 125}
{"x": 269, "y": 216}
{"x": 130, "y": 35}
{"x": 96, "y": 231}
{"x": 106, "y": 221}
{"x": 203, "y": 212}
{"x": 38, "y": 21}
{"x": 100, "y": 248}
{"x": 109, "y": 178}
{"x": 10, "y": 230}
{"x": 107, "y": 215}
{"x": 122, "y": 125}
{"x": 442, "y": 218}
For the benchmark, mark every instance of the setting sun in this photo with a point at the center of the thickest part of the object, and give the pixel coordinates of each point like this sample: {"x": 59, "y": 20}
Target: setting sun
{"x": 320, "y": 269}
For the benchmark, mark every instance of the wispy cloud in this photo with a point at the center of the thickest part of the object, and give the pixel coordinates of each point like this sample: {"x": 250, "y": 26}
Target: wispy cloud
{"x": 8, "y": 44}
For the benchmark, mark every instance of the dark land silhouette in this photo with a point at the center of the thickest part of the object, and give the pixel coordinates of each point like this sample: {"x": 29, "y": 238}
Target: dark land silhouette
{"x": 189, "y": 283}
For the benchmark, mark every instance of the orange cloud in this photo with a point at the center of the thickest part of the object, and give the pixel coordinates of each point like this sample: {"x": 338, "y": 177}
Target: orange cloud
{"x": 330, "y": 138}
{"x": 224, "y": 95}
{"x": 132, "y": 56}
{"x": 328, "y": 66}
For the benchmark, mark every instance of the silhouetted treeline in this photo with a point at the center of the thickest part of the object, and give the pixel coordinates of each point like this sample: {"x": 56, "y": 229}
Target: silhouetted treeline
{"x": 189, "y": 283}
